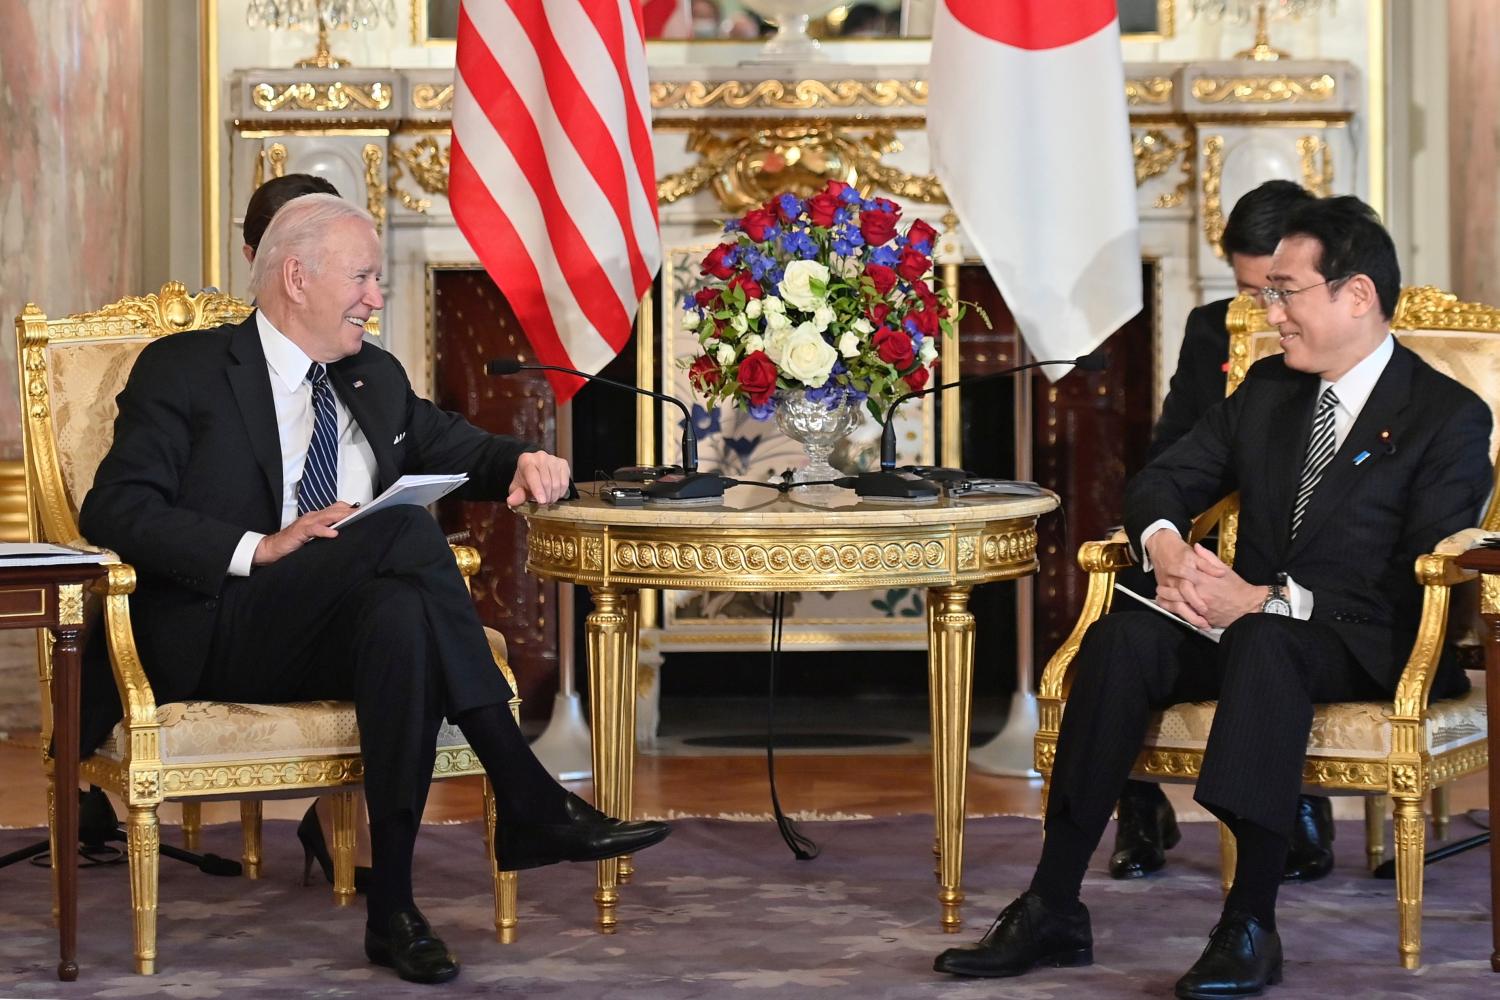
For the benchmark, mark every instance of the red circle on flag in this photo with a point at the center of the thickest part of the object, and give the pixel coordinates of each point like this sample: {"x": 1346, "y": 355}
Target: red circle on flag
{"x": 1034, "y": 24}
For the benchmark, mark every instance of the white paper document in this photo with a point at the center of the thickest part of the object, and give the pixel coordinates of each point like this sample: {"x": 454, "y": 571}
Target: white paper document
{"x": 416, "y": 490}
{"x": 1211, "y": 633}
{"x": 43, "y": 554}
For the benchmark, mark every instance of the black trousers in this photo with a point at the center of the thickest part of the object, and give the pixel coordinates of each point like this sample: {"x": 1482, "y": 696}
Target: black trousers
{"x": 1267, "y": 673}
{"x": 378, "y": 615}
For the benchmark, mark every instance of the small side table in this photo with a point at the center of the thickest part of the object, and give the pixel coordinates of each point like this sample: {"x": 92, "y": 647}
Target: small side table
{"x": 1487, "y": 563}
{"x": 51, "y": 597}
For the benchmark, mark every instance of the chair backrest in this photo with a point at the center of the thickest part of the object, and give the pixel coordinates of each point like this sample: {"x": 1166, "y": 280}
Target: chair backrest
{"x": 1459, "y": 339}
{"x": 71, "y": 370}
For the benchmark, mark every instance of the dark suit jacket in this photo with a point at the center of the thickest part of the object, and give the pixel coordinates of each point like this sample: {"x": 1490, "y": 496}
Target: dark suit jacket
{"x": 196, "y": 462}
{"x": 1198, "y": 382}
{"x": 1365, "y": 524}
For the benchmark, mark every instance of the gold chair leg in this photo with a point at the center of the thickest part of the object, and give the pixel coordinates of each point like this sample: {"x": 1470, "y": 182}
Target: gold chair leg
{"x": 505, "y": 882}
{"x": 1440, "y": 813}
{"x": 1374, "y": 830}
{"x": 250, "y": 834}
{"x": 1411, "y": 844}
{"x": 192, "y": 825}
{"x": 1228, "y": 858}
{"x": 143, "y": 844}
{"x": 344, "y": 805}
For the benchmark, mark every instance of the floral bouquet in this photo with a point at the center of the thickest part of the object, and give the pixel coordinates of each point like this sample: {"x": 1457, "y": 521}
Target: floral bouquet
{"x": 821, "y": 296}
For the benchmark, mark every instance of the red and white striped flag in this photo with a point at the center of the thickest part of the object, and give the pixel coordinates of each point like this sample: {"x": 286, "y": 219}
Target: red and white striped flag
{"x": 1031, "y": 138}
{"x": 551, "y": 178}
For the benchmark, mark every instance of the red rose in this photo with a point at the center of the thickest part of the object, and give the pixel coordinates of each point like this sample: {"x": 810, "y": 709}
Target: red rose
{"x": 921, "y": 236}
{"x": 707, "y": 298}
{"x": 715, "y": 264}
{"x": 757, "y": 375}
{"x": 894, "y": 348}
{"x": 746, "y": 284}
{"x": 918, "y": 379}
{"x": 913, "y": 265}
{"x": 821, "y": 209}
{"x": 879, "y": 311}
{"x": 836, "y": 189}
{"x": 705, "y": 374}
{"x": 884, "y": 277}
{"x": 926, "y": 321}
{"x": 877, "y": 224}
{"x": 758, "y": 224}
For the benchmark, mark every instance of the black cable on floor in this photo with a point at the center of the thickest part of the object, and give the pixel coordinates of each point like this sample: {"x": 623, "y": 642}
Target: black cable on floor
{"x": 803, "y": 848}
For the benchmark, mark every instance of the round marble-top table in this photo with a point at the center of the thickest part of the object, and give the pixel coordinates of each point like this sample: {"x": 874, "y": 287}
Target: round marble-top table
{"x": 759, "y": 540}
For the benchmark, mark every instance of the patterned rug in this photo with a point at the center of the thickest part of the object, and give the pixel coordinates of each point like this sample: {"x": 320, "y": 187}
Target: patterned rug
{"x": 722, "y": 910}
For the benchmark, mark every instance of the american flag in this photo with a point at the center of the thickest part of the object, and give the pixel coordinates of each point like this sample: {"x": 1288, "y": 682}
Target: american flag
{"x": 551, "y": 178}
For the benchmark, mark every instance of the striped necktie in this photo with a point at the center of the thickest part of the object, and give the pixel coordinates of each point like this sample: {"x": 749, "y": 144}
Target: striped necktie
{"x": 1320, "y": 449}
{"x": 320, "y": 471}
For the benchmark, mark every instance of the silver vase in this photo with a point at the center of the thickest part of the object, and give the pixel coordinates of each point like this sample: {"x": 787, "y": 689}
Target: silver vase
{"x": 818, "y": 427}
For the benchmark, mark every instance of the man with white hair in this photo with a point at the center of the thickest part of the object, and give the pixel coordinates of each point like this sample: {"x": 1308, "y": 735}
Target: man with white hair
{"x": 235, "y": 452}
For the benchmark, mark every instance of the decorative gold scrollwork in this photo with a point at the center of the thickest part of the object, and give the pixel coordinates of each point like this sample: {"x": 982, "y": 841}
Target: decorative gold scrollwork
{"x": 168, "y": 311}
{"x": 1155, "y": 152}
{"x": 432, "y": 97}
{"x": 70, "y": 604}
{"x": 427, "y": 162}
{"x": 1317, "y": 165}
{"x": 1264, "y": 89}
{"x": 375, "y": 187}
{"x": 1213, "y": 205}
{"x": 1424, "y": 307}
{"x": 322, "y": 97}
{"x": 785, "y": 95}
{"x": 1152, "y": 90}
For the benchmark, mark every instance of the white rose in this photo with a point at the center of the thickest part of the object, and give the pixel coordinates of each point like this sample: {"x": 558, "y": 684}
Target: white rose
{"x": 691, "y": 319}
{"x": 796, "y": 286}
{"x": 776, "y": 341}
{"x": 739, "y": 323}
{"x": 863, "y": 326}
{"x": 807, "y": 357}
{"x": 752, "y": 308}
{"x": 822, "y": 316}
{"x": 753, "y": 342}
{"x": 724, "y": 355}
{"x": 777, "y": 322}
{"x": 928, "y": 352}
{"x": 849, "y": 345}
{"x": 772, "y": 306}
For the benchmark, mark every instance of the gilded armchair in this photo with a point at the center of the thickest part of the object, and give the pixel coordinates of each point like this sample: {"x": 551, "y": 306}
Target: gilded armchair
{"x": 1403, "y": 749}
{"x": 70, "y": 372}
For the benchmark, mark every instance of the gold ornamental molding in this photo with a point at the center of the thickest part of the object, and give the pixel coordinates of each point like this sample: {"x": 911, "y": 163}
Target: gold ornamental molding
{"x": 322, "y": 96}
{"x": 375, "y": 184}
{"x": 1213, "y": 203}
{"x": 1489, "y": 594}
{"x": 1155, "y": 152}
{"x": 427, "y": 162}
{"x": 1317, "y": 165}
{"x": 432, "y": 97}
{"x": 1424, "y": 307}
{"x": 1151, "y": 91}
{"x": 787, "y": 95}
{"x": 171, "y": 310}
{"x": 1265, "y": 89}
{"x": 746, "y": 166}
{"x": 70, "y": 604}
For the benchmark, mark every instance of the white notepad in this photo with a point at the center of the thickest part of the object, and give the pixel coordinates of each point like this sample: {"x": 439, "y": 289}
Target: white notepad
{"x": 43, "y": 554}
{"x": 416, "y": 490}
{"x": 1210, "y": 633}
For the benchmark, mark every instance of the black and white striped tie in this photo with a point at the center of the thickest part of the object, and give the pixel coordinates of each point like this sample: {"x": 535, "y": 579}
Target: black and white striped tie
{"x": 1320, "y": 449}
{"x": 320, "y": 470}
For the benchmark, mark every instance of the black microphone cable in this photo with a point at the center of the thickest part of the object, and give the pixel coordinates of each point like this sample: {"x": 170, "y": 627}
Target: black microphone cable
{"x": 803, "y": 847}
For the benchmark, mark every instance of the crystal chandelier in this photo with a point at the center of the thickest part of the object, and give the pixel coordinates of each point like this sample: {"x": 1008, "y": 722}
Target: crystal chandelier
{"x": 1240, "y": 11}
{"x": 322, "y": 16}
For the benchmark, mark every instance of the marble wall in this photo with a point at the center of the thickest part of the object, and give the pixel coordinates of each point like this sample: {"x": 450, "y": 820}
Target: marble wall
{"x": 1474, "y": 146}
{"x": 70, "y": 165}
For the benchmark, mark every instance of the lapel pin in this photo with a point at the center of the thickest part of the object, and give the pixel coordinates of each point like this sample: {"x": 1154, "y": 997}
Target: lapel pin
{"x": 359, "y": 383}
{"x": 1361, "y": 457}
{"x": 1386, "y": 442}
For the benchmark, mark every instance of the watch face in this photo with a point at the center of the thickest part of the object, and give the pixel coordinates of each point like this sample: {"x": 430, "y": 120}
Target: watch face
{"x": 1276, "y": 606}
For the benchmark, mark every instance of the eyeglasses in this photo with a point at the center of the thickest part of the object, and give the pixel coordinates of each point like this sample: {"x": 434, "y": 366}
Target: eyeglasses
{"x": 1279, "y": 296}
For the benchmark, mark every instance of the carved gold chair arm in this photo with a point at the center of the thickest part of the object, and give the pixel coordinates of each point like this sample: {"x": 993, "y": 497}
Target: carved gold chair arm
{"x": 1215, "y": 517}
{"x": 467, "y": 558}
{"x": 1101, "y": 560}
{"x": 136, "y": 696}
{"x": 1438, "y": 573}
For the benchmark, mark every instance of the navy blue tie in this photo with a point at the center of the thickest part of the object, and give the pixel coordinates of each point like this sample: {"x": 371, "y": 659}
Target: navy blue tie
{"x": 320, "y": 471}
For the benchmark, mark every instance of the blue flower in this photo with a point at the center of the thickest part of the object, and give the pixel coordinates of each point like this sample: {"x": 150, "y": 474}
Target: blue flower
{"x": 758, "y": 262}
{"x": 763, "y": 411}
{"x": 886, "y": 256}
{"x": 842, "y": 216}
{"x": 798, "y": 244}
{"x": 849, "y": 196}
{"x": 688, "y": 302}
{"x": 791, "y": 206}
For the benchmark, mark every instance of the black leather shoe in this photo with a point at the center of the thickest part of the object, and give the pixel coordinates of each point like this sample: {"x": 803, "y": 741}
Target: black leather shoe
{"x": 410, "y": 947}
{"x": 585, "y": 834}
{"x": 315, "y": 848}
{"x": 1146, "y": 830}
{"x": 1310, "y": 856}
{"x": 1241, "y": 960}
{"x": 1024, "y": 936}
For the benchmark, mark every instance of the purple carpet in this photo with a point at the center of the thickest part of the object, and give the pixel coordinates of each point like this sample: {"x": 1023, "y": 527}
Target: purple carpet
{"x": 722, "y": 910}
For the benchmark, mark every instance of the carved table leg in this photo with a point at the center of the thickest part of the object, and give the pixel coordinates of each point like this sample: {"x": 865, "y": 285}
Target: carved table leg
{"x": 950, "y": 644}
{"x": 611, "y": 697}
{"x": 66, "y": 668}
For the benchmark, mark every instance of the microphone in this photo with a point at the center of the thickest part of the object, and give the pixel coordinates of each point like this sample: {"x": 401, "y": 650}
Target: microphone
{"x": 690, "y": 484}
{"x": 908, "y": 485}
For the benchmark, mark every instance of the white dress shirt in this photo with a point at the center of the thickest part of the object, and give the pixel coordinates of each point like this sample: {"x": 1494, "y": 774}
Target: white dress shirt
{"x": 1353, "y": 390}
{"x": 292, "y": 394}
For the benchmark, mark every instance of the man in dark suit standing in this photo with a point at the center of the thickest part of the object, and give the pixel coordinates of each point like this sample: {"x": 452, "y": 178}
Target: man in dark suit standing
{"x": 1147, "y": 826}
{"x": 235, "y": 453}
{"x": 1352, "y": 457}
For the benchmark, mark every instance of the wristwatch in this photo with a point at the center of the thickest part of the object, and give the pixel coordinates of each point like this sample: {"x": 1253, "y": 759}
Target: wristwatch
{"x": 1276, "y": 602}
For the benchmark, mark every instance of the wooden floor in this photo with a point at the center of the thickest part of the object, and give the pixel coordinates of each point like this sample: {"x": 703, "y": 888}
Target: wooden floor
{"x": 851, "y": 785}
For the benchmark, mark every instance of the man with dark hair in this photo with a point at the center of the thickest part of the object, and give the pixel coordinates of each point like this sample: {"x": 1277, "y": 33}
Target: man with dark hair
{"x": 1320, "y": 605}
{"x": 268, "y": 199}
{"x": 1147, "y": 826}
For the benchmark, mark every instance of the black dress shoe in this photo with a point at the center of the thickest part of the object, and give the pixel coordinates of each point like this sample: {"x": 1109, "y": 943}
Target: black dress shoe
{"x": 1024, "y": 936}
{"x": 583, "y": 834}
{"x": 409, "y": 946}
{"x": 315, "y": 848}
{"x": 1146, "y": 830}
{"x": 1241, "y": 960}
{"x": 1310, "y": 856}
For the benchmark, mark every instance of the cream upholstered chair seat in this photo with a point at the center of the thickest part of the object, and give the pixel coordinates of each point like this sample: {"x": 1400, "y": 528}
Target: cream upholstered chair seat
{"x": 71, "y": 371}
{"x": 1404, "y": 748}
